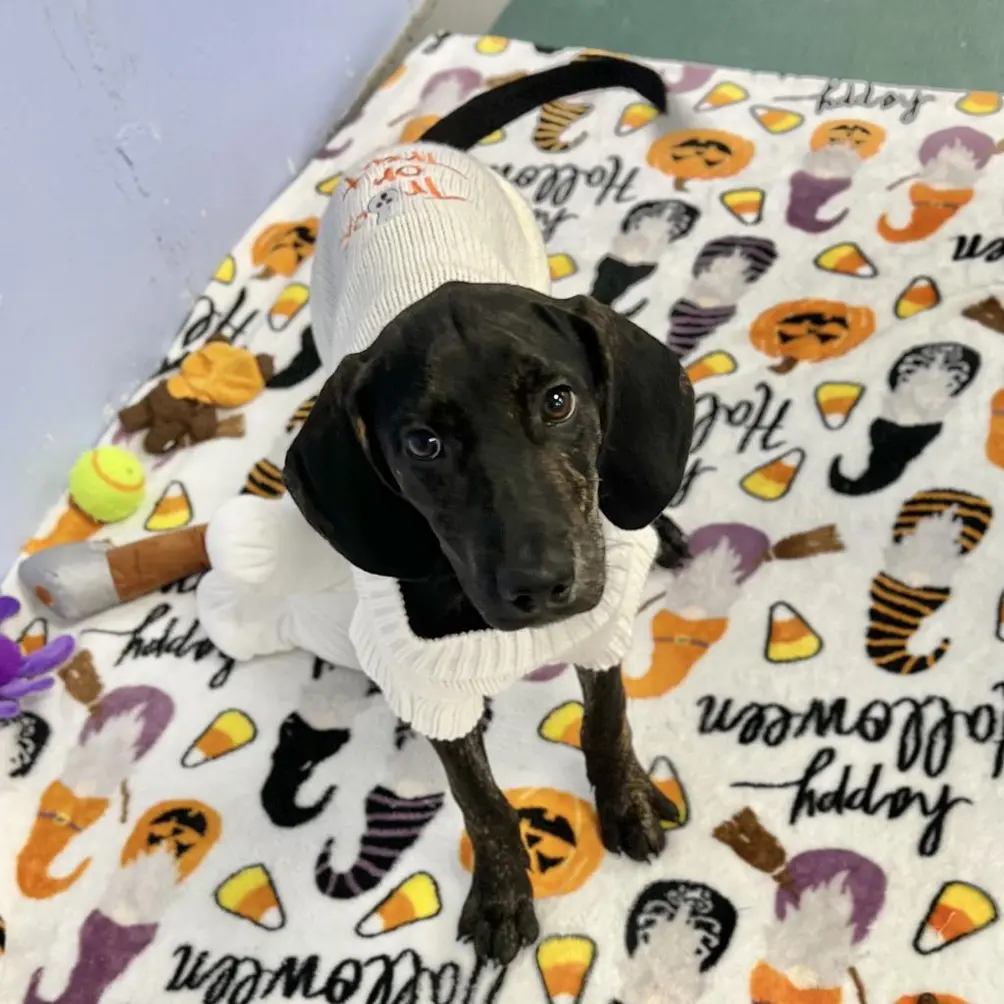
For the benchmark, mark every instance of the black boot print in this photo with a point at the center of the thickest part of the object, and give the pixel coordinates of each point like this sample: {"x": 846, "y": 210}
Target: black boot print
{"x": 646, "y": 231}
{"x": 303, "y": 365}
{"x": 934, "y": 530}
{"x": 615, "y": 277}
{"x": 393, "y": 824}
{"x": 297, "y": 754}
{"x": 329, "y": 706}
{"x": 924, "y": 383}
{"x": 396, "y": 815}
{"x": 892, "y": 448}
{"x": 723, "y": 271}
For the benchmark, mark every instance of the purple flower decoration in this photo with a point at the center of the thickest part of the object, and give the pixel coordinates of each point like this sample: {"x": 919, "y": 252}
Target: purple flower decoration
{"x": 26, "y": 674}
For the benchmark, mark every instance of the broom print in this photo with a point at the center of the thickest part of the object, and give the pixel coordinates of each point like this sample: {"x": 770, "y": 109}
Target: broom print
{"x": 396, "y": 816}
{"x": 934, "y": 530}
{"x": 924, "y": 384}
{"x": 825, "y": 904}
{"x": 645, "y": 233}
{"x": 695, "y": 605}
{"x": 988, "y": 312}
{"x": 723, "y": 271}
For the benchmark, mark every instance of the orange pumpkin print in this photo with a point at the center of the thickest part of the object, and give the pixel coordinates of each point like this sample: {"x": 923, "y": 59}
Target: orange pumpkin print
{"x": 561, "y": 835}
{"x": 864, "y": 138}
{"x": 700, "y": 154}
{"x": 810, "y": 331}
{"x": 184, "y": 829}
{"x": 281, "y": 247}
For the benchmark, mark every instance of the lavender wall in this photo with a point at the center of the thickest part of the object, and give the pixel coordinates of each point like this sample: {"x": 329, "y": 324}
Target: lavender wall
{"x": 139, "y": 140}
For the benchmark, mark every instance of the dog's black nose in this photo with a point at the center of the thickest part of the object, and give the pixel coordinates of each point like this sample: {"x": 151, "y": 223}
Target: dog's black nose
{"x": 546, "y": 584}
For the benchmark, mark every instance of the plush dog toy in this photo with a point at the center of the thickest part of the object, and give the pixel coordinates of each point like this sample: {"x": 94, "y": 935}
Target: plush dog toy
{"x": 181, "y": 410}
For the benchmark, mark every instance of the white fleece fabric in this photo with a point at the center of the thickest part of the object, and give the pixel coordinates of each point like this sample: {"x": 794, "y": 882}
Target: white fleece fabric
{"x": 402, "y": 223}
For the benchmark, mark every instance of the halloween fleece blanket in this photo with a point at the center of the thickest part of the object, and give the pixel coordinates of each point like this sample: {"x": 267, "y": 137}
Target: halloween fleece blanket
{"x": 821, "y": 689}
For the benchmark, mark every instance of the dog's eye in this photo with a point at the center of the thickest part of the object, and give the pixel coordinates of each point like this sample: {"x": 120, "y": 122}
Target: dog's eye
{"x": 423, "y": 445}
{"x": 558, "y": 405}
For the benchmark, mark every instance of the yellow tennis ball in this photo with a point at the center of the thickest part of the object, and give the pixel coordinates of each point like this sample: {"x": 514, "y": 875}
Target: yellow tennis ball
{"x": 108, "y": 484}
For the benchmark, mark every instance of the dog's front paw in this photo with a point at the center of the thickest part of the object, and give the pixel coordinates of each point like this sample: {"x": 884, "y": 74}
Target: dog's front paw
{"x": 498, "y": 915}
{"x": 673, "y": 552}
{"x": 632, "y": 811}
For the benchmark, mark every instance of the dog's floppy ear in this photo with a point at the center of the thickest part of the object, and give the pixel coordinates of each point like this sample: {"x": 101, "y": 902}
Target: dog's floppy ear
{"x": 647, "y": 409}
{"x": 339, "y": 482}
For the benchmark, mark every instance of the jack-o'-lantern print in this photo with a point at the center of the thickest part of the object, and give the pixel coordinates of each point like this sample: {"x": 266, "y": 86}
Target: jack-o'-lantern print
{"x": 810, "y": 331}
{"x": 562, "y": 839}
{"x": 185, "y": 829}
{"x": 700, "y": 155}
{"x": 281, "y": 247}
{"x": 864, "y": 138}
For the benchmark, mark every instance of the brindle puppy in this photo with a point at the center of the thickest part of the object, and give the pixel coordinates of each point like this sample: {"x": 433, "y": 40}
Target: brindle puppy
{"x": 468, "y": 453}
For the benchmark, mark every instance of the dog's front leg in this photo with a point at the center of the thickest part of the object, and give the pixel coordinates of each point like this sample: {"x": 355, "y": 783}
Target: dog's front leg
{"x": 630, "y": 807}
{"x": 498, "y": 915}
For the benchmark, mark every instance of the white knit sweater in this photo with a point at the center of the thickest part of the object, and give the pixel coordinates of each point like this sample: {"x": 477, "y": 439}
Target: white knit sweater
{"x": 399, "y": 226}
{"x": 403, "y": 223}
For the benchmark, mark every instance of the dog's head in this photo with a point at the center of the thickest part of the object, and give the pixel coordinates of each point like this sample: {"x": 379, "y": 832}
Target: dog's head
{"x": 490, "y": 425}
